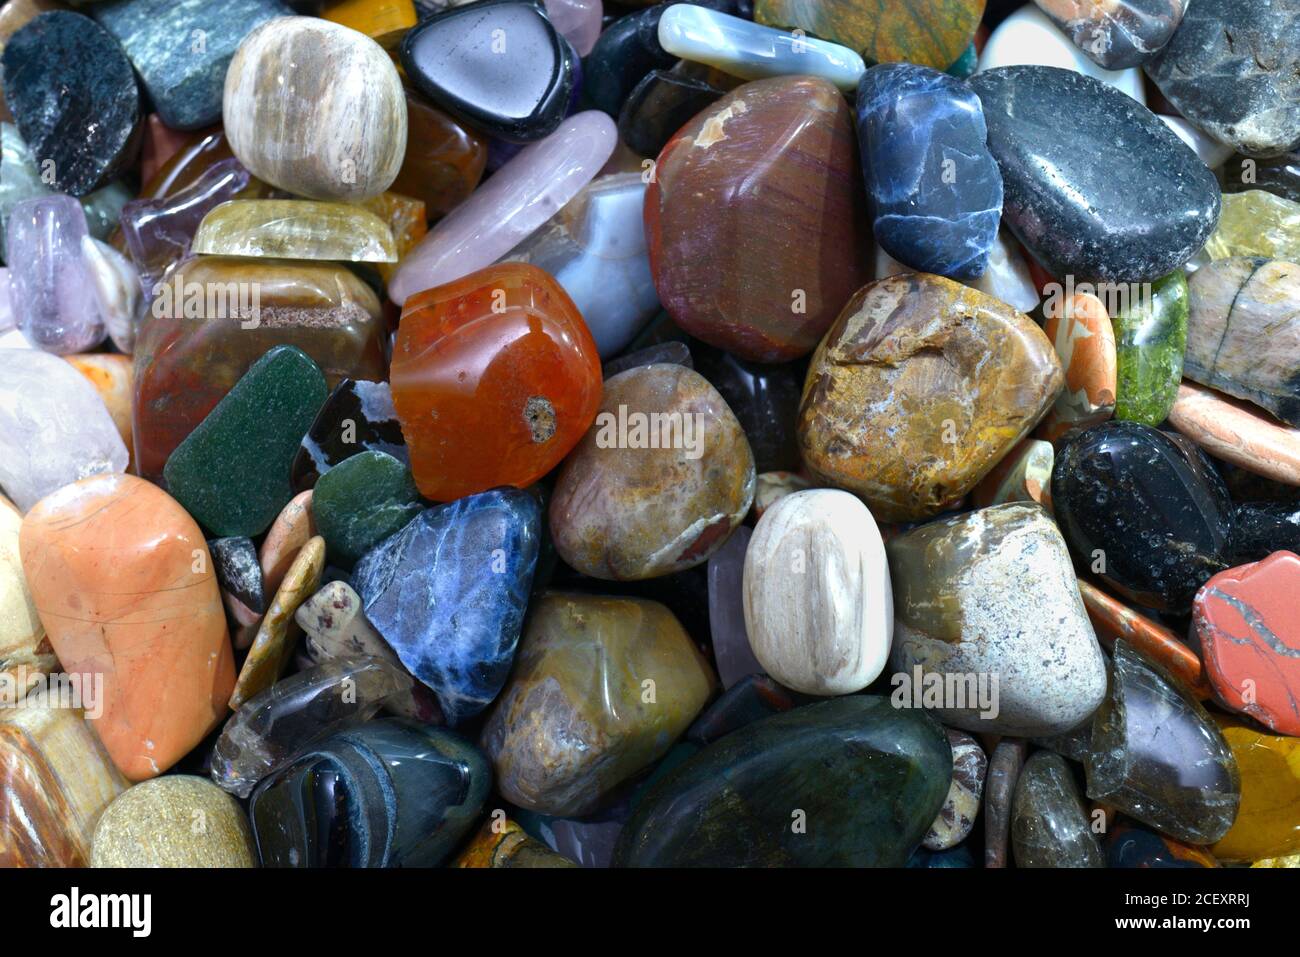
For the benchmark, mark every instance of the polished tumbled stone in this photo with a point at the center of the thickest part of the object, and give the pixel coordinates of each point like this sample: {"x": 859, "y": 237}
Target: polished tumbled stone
{"x": 1095, "y": 185}
{"x": 935, "y": 189}
{"x": 1118, "y": 33}
{"x": 74, "y": 97}
{"x": 232, "y": 472}
{"x": 181, "y": 49}
{"x": 448, "y": 593}
{"x": 362, "y": 501}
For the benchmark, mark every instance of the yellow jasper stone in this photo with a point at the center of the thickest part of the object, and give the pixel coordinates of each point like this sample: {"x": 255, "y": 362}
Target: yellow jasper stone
{"x": 1268, "y": 821}
{"x": 295, "y": 229}
{"x": 384, "y": 21}
{"x": 406, "y": 217}
{"x": 1256, "y": 223}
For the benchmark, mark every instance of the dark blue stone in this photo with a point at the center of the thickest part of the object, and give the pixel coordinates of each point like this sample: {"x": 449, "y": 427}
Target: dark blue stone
{"x": 448, "y": 593}
{"x": 73, "y": 95}
{"x": 181, "y": 50}
{"x": 1095, "y": 186}
{"x": 935, "y": 189}
{"x": 390, "y": 793}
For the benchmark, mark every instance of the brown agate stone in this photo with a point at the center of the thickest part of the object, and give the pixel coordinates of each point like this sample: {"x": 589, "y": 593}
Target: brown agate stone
{"x": 918, "y": 391}
{"x": 756, "y": 221}
{"x": 206, "y": 330}
{"x": 503, "y": 843}
{"x": 123, "y": 581}
{"x": 55, "y": 781}
{"x": 661, "y": 479}
{"x": 444, "y": 160}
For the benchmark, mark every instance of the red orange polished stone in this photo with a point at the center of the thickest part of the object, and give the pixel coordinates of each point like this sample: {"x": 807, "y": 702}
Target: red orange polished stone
{"x": 1249, "y": 635}
{"x": 495, "y": 378}
{"x": 755, "y": 219}
{"x": 123, "y": 582}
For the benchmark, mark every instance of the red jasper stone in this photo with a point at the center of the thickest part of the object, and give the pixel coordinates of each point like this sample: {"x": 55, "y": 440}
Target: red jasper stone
{"x": 756, "y": 221}
{"x": 495, "y": 378}
{"x": 1249, "y": 632}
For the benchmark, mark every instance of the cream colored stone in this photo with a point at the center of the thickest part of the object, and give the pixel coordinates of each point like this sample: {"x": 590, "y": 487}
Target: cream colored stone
{"x": 818, "y": 605}
{"x": 22, "y": 636}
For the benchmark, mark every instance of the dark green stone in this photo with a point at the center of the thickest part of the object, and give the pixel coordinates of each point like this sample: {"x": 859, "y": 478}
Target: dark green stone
{"x": 232, "y": 472}
{"x": 1150, "y": 339}
{"x": 852, "y": 782}
{"x": 361, "y": 501}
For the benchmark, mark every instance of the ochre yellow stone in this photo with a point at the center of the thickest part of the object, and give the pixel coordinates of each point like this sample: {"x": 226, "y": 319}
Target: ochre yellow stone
{"x": 384, "y": 21}
{"x": 1268, "y": 821}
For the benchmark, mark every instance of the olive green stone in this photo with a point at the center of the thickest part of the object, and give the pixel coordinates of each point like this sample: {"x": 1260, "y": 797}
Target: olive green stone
{"x": 1049, "y": 823}
{"x": 851, "y": 782}
{"x": 1150, "y": 337}
{"x": 174, "y": 821}
{"x": 361, "y": 501}
{"x": 232, "y": 472}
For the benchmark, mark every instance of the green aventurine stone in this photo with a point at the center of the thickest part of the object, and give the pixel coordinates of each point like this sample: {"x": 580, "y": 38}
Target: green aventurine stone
{"x": 852, "y": 782}
{"x": 1150, "y": 338}
{"x": 232, "y": 472}
{"x": 361, "y": 501}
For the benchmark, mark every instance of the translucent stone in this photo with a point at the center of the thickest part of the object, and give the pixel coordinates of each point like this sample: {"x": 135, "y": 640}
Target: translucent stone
{"x": 295, "y": 229}
{"x": 731, "y": 650}
{"x": 52, "y": 290}
{"x": 117, "y": 290}
{"x": 54, "y": 427}
{"x": 1256, "y": 223}
{"x": 595, "y": 248}
{"x": 280, "y": 722}
{"x": 752, "y": 51}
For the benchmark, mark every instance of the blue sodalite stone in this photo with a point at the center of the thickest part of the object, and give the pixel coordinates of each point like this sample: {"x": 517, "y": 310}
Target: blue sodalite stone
{"x": 181, "y": 49}
{"x": 935, "y": 188}
{"x": 448, "y": 593}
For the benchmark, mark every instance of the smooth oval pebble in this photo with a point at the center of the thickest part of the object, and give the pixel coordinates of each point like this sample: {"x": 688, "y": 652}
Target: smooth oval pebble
{"x": 316, "y": 109}
{"x": 818, "y": 606}
{"x": 154, "y": 825}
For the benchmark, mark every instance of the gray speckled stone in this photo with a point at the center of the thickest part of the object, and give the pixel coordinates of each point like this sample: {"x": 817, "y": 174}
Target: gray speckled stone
{"x": 181, "y": 49}
{"x": 1049, "y": 824}
{"x": 990, "y": 601}
{"x": 1093, "y": 184}
{"x": 1233, "y": 69}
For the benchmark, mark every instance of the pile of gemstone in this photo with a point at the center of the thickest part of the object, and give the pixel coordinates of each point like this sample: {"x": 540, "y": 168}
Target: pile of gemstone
{"x": 736, "y": 433}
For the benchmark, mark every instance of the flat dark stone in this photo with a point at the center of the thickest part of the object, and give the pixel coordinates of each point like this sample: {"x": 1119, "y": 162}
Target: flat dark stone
{"x": 181, "y": 49}
{"x": 1233, "y": 69}
{"x": 1143, "y": 509}
{"x": 73, "y": 94}
{"x": 1094, "y": 185}
{"x": 498, "y": 65}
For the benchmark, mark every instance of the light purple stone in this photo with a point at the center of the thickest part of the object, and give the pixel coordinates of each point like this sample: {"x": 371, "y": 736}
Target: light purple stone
{"x": 588, "y": 843}
{"x": 514, "y": 202}
{"x": 577, "y": 20}
{"x": 731, "y": 651}
{"x": 158, "y": 232}
{"x": 52, "y": 292}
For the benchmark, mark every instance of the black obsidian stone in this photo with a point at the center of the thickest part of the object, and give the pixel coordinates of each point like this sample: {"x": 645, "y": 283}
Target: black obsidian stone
{"x": 357, "y": 417}
{"x": 498, "y": 65}
{"x": 238, "y": 570}
{"x": 1094, "y": 184}
{"x": 1144, "y": 510}
{"x": 1233, "y": 69}
{"x": 1261, "y": 528}
{"x": 765, "y": 398}
{"x": 390, "y": 793}
{"x": 74, "y": 97}
{"x": 659, "y": 106}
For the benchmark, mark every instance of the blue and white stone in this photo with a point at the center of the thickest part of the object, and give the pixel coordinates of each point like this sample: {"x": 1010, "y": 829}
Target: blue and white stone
{"x": 752, "y": 51}
{"x": 595, "y": 248}
{"x": 936, "y": 193}
{"x": 448, "y": 593}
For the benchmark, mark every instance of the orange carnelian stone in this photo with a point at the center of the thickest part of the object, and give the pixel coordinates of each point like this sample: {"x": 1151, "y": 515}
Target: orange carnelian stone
{"x": 495, "y": 378}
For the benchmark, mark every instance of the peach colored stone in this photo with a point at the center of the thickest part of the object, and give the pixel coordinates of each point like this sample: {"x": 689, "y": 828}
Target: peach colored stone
{"x": 1084, "y": 340}
{"x": 1237, "y": 432}
{"x": 1023, "y": 475}
{"x": 278, "y": 631}
{"x": 123, "y": 582}
{"x": 288, "y": 534}
{"x": 113, "y": 379}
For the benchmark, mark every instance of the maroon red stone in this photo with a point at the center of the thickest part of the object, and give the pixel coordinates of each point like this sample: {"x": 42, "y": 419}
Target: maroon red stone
{"x": 756, "y": 219}
{"x": 1247, "y": 623}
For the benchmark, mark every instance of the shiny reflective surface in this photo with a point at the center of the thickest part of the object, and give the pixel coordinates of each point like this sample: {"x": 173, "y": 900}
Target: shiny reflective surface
{"x": 295, "y": 229}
